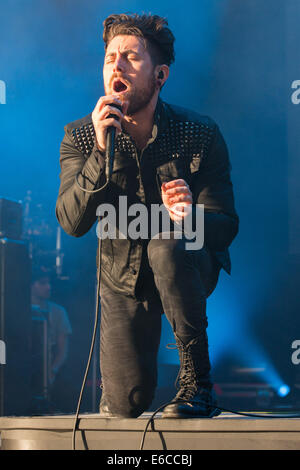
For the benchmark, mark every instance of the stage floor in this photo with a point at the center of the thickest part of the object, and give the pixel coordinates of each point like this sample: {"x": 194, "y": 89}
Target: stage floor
{"x": 225, "y": 432}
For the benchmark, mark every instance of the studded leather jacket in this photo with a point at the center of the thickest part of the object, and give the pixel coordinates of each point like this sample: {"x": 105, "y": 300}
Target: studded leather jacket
{"x": 184, "y": 145}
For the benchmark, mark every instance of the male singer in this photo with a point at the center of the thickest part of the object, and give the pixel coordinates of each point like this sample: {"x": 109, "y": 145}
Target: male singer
{"x": 164, "y": 154}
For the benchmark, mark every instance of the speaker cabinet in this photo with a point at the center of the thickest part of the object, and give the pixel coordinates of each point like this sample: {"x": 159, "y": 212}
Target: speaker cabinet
{"x": 10, "y": 219}
{"x": 15, "y": 323}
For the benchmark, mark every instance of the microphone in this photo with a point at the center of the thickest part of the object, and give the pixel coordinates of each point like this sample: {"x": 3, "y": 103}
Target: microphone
{"x": 110, "y": 145}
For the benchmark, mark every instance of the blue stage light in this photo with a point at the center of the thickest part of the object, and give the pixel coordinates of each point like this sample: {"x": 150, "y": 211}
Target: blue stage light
{"x": 283, "y": 390}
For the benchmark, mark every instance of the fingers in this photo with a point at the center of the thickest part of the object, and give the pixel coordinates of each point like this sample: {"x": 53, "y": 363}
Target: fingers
{"x": 181, "y": 198}
{"x": 177, "y": 191}
{"x": 106, "y": 100}
{"x": 105, "y": 107}
{"x": 106, "y": 115}
{"x": 175, "y": 183}
{"x": 180, "y": 211}
{"x": 178, "y": 198}
{"x": 112, "y": 122}
{"x": 109, "y": 110}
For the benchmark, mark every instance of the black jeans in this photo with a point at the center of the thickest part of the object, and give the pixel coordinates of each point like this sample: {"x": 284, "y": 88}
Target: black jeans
{"x": 174, "y": 281}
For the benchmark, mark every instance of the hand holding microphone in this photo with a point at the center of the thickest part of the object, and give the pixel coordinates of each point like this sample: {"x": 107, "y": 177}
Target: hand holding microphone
{"x": 109, "y": 111}
{"x": 107, "y": 119}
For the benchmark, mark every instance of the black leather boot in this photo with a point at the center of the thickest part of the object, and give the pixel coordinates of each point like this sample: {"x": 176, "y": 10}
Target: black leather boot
{"x": 195, "y": 398}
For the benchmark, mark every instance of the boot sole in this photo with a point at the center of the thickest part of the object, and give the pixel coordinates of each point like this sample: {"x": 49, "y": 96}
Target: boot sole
{"x": 174, "y": 415}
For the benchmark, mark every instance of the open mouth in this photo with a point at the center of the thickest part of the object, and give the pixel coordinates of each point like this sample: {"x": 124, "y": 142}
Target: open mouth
{"x": 119, "y": 86}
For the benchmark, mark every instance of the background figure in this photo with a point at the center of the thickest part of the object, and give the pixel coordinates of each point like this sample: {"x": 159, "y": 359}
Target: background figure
{"x": 50, "y": 338}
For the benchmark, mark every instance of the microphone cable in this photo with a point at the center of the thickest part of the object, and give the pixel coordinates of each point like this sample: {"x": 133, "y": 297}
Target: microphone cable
{"x": 96, "y": 321}
{"x": 110, "y": 149}
{"x": 240, "y": 413}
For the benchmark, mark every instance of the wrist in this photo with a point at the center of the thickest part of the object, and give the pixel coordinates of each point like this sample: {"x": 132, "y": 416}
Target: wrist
{"x": 102, "y": 150}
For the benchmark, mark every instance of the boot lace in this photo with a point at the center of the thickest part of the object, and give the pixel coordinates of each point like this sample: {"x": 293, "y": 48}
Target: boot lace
{"x": 186, "y": 381}
{"x": 186, "y": 378}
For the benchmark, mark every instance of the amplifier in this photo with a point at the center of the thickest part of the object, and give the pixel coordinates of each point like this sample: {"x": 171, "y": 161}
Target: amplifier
{"x": 15, "y": 327}
{"x": 10, "y": 219}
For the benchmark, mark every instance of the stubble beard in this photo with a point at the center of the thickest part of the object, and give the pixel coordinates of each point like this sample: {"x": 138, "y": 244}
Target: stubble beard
{"x": 139, "y": 98}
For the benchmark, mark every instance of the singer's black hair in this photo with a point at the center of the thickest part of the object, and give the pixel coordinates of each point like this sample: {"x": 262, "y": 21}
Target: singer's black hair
{"x": 152, "y": 29}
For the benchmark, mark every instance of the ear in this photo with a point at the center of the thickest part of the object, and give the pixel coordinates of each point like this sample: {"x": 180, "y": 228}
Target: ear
{"x": 161, "y": 74}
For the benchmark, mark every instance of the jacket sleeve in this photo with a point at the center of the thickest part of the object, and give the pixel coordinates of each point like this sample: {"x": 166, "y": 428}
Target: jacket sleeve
{"x": 212, "y": 186}
{"x": 76, "y": 209}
